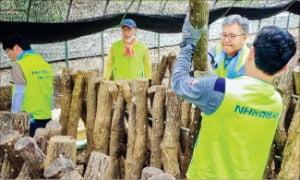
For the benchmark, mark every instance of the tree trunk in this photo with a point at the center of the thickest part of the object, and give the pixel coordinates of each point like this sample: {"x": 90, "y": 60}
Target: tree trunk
{"x": 185, "y": 114}
{"x": 73, "y": 175}
{"x": 103, "y": 118}
{"x": 131, "y": 140}
{"x": 42, "y": 136}
{"x": 91, "y": 110}
{"x": 193, "y": 134}
{"x": 114, "y": 165}
{"x": 140, "y": 88}
{"x": 164, "y": 176}
{"x": 148, "y": 172}
{"x": 270, "y": 167}
{"x": 6, "y": 169}
{"x": 7, "y": 143}
{"x": 59, "y": 167}
{"x": 171, "y": 63}
{"x": 25, "y": 172}
{"x": 97, "y": 166}
{"x": 14, "y": 121}
{"x": 76, "y": 105}
{"x": 170, "y": 143}
{"x": 32, "y": 154}
{"x": 66, "y": 92}
{"x": 125, "y": 89}
{"x": 157, "y": 125}
{"x": 199, "y": 12}
{"x": 161, "y": 70}
{"x": 60, "y": 145}
{"x": 296, "y": 75}
{"x": 285, "y": 85}
{"x": 290, "y": 166}
{"x": 54, "y": 128}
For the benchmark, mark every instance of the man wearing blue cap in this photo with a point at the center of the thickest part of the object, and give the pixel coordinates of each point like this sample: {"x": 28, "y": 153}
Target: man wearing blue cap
{"x": 128, "y": 58}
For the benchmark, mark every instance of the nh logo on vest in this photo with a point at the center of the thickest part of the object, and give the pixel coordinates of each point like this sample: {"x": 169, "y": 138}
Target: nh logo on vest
{"x": 41, "y": 74}
{"x": 255, "y": 113}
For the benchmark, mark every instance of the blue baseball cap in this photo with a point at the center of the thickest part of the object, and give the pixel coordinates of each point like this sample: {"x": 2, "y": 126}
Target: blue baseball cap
{"x": 129, "y": 23}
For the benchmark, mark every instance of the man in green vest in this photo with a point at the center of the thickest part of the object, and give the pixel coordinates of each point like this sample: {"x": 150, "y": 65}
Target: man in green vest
{"x": 32, "y": 79}
{"x": 128, "y": 58}
{"x": 240, "y": 115}
{"x": 228, "y": 57}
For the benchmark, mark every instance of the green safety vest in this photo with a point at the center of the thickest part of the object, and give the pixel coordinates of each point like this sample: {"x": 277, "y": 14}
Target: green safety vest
{"x": 125, "y": 67}
{"x": 221, "y": 71}
{"x": 39, "y": 86}
{"x": 234, "y": 142}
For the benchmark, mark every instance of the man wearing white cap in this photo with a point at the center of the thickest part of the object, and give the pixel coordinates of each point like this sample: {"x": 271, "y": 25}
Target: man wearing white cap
{"x": 128, "y": 58}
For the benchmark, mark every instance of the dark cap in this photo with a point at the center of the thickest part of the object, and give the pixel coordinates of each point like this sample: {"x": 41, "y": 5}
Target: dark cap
{"x": 129, "y": 23}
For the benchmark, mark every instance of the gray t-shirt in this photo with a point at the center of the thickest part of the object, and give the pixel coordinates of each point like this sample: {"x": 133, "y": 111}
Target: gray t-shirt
{"x": 17, "y": 75}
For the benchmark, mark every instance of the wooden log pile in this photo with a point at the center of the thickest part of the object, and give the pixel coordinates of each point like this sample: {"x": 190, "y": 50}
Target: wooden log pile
{"x": 24, "y": 157}
{"x": 134, "y": 129}
{"x": 285, "y": 153}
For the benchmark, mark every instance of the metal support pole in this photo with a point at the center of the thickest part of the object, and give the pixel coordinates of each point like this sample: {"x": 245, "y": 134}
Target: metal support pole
{"x": 67, "y": 53}
{"x": 102, "y": 50}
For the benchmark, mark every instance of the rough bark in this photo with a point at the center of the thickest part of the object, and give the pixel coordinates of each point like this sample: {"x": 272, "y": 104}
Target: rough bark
{"x": 192, "y": 136}
{"x": 60, "y": 146}
{"x": 290, "y": 166}
{"x": 131, "y": 139}
{"x": 270, "y": 168}
{"x": 157, "y": 125}
{"x": 97, "y": 166}
{"x": 296, "y": 75}
{"x": 114, "y": 146}
{"x": 76, "y": 105}
{"x": 285, "y": 85}
{"x": 148, "y": 172}
{"x": 91, "y": 109}
{"x": 171, "y": 63}
{"x": 73, "y": 175}
{"x": 185, "y": 114}
{"x": 25, "y": 172}
{"x": 124, "y": 88}
{"x": 54, "y": 128}
{"x": 59, "y": 167}
{"x": 158, "y": 76}
{"x": 66, "y": 91}
{"x": 6, "y": 168}
{"x": 7, "y": 143}
{"x": 199, "y": 12}
{"x": 103, "y": 118}
{"x": 170, "y": 143}
{"x": 162, "y": 176}
{"x": 140, "y": 88}
{"x": 42, "y": 137}
{"x": 14, "y": 121}
{"x": 32, "y": 154}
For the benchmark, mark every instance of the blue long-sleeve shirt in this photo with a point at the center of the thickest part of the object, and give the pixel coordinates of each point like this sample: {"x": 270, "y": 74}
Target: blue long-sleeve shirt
{"x": 206, "y": 93}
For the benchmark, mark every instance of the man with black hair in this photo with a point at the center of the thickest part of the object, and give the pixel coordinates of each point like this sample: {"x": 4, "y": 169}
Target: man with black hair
{"x": 32, "y": 79}
{"x": 240, "y": 115}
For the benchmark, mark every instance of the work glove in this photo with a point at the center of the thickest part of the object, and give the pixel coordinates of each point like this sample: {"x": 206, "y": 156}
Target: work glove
{"x": 189, "y": 33}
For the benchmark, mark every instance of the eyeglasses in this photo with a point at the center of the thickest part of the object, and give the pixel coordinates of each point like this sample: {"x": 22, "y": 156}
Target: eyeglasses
{"x": 231, "y": 36}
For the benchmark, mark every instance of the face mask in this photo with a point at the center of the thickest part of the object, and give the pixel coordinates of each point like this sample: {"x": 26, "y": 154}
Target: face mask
{"x": 129, "y": 39}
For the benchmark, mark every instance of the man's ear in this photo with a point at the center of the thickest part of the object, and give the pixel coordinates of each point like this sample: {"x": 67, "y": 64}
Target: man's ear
{"x": 16, "y": 47}
{"x": 251, "y": 54}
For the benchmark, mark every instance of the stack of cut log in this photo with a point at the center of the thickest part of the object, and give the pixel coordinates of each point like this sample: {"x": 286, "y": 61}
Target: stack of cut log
{"x": 134, "y": 130}
{"x": 134, "y": 123}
